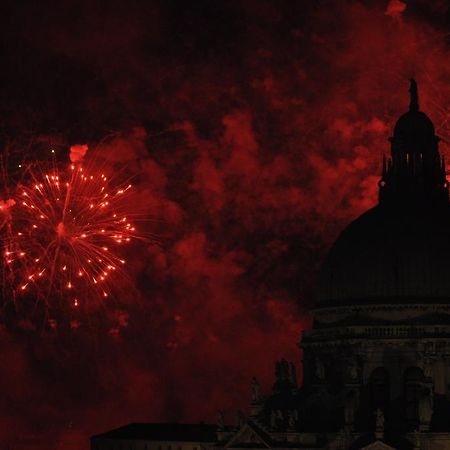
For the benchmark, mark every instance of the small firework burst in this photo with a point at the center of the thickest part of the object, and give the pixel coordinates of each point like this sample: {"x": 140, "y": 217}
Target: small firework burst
{"x": 64, "y": 232}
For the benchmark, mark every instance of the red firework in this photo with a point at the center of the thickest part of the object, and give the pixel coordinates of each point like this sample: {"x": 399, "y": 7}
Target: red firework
{"x": 63, "y": 233}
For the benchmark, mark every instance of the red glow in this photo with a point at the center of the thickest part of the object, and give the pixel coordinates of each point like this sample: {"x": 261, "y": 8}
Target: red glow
{"x": 256, "y": 131}
{"x": 65, "y": 231}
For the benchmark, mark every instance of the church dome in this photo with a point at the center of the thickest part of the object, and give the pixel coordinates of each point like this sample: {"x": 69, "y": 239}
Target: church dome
{"x": 414, "y": 130}
{"x": 414, "y": 123}
{"x": 389, "y": 256}
{"x": 399, "y": 250}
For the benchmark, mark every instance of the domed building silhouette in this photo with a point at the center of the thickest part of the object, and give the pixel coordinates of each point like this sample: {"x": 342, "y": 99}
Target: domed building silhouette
{"x": 382, "y": 321}
{"x": 376, "y": 363}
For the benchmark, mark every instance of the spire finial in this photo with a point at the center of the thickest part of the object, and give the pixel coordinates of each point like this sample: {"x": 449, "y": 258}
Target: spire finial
{"x": 414, "y": 96}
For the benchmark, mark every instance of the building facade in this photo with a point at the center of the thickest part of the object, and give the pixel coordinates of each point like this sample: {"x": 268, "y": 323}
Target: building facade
{"x": 376, "y": 363}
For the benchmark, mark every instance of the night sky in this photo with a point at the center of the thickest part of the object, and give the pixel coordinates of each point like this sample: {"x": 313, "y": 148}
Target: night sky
{"x": 254, "y": 132}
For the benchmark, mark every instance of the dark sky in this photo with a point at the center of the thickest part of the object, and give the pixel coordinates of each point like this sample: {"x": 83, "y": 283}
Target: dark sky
{"x": 254, "y": 131}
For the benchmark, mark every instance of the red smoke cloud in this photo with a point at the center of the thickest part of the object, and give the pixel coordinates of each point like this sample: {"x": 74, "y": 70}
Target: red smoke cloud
{"x": 77, "y": 152}
{"x": 395, "y": 8}
{"x": 254, "y": 132}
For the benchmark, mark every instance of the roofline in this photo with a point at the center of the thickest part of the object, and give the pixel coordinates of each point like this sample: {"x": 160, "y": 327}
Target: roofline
{"x": 155, "y": 424}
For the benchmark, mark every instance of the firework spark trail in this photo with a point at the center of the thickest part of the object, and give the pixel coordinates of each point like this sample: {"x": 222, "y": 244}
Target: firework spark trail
{"x": 63, "y": 233}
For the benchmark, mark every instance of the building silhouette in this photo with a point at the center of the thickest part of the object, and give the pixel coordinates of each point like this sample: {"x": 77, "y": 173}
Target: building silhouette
{"x": 376, "y": 363}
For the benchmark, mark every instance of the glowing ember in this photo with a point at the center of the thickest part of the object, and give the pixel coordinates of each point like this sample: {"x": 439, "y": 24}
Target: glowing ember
{"x": 63, "y": 234}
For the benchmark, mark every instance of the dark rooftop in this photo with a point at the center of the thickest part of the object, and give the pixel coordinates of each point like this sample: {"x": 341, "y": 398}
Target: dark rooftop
{"x": 200, "y": 432}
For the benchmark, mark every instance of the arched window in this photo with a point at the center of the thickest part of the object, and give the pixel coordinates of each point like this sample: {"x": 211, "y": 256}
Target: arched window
{"x": 413, "y": 381}
{"x": 379, "y": 388}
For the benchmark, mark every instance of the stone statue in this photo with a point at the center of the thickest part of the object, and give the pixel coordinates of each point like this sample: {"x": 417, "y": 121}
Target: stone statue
{"x": 428, "y": 368}
{"x": 240, "y": 419}
{"x": 350, "y": 409}
{"x": 279, "y": 414}
{"x": 379, "y": 421}
{"x": 429, "y": 347}
{"x": 273, "y": 420}
{"x": 256, "y": 390}
{"x": 284, "y": 365}
{"x": 285, "y": 375}
{"x": 425, "y": 406}
{"x": 320, "y": 370}
{"x": 293, "y": 375}
{"x": 292, "y": 419}
{"x": 221, "y": 420}
{"x": 352, "y": 370}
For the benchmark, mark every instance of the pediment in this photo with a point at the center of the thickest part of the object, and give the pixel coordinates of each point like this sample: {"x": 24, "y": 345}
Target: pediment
{"x": 378, "y": 445}
{"x": 249, "y": 436}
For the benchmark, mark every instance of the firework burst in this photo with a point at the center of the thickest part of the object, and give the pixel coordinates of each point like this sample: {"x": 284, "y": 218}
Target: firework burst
{"x": 63, "y": 232}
